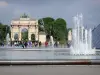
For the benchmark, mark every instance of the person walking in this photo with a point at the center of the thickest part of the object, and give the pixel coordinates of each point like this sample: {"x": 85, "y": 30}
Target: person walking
{"x": 46, "y": 44}
{"x": 25, "y": 44}
{"x": 22, "y": 44}
{"x": 40, "y": 44}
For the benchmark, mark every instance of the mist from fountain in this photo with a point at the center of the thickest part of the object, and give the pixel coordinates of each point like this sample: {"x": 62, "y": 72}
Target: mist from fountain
{"x": 81, "y": 38}
{"x": 52, "y": 41}
{"x": 7, "y": 39}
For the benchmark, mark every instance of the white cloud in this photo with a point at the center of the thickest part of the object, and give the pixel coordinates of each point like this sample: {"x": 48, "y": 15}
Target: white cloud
{"x": 3, "y": 3}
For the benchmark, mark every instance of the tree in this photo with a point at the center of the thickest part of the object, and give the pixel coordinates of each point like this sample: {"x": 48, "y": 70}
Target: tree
{"x": 33, "y": 37}
{"x": 25, "y": 35}
{"x": 69, "y": 29}
{"x": 16, "y": 36}
{"x": 60, "y": 30}
{"x": 44, "y": 24}
{"x": 56, "y": 28}
{"x": 4, "y": 29}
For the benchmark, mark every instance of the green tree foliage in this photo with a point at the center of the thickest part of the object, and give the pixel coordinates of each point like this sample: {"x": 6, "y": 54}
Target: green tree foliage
{"x": 44, "y": 24}
{"x": 60, "y": 30}
{"x": 69, "y": 29}
{"x": 33, "y": 37}
{"x": 57, "y": 28}
{"x": 4, "y": 29}
{"x": 25, "y": 36}
{"x": 16, "y": 36}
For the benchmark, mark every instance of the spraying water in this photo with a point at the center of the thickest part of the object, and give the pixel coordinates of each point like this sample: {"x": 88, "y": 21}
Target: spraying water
{"x": 81, "y": 38}
{"x": 7, "y": 39}
{"x": 52, "y": 41}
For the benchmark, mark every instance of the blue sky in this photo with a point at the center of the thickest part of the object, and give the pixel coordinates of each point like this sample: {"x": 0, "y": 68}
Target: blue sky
{"x": 67, "y": 9}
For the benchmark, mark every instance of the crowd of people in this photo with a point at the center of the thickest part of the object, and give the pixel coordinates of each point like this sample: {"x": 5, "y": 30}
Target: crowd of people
{"x": 1, "y": 44}
{"x": 26, "y": 44}
{"x": 33, "y": 44}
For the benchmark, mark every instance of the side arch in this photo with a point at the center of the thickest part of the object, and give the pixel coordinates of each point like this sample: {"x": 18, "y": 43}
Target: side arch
{"x": 33, "y": 37}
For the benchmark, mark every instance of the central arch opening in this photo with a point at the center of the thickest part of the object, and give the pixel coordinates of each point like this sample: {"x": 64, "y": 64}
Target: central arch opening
{"x": 32, "y": 37}
{"x": 16, "y": 37}
{"x": 24, "y": 34}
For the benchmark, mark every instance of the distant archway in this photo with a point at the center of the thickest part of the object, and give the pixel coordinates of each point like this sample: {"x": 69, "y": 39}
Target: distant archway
{"x": 24, "y": 21}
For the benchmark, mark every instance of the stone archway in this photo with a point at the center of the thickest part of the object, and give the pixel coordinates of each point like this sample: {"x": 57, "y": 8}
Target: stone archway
{"x": 24, "y": 22}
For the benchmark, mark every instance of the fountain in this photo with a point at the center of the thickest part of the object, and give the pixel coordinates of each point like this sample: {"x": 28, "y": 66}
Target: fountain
{"x": 81, "y": 38}
{"x": 52, "y": 41}
{"x": 7, "y": 39}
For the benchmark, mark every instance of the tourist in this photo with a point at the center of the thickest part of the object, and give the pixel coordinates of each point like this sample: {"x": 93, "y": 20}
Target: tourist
{"x": 22, "y": 44}
{"x": 40, "y": 44}
{"x": 2, "y": 44}
{"x": 56, "y": 44}
{"x": 33, "y": 44}
{"x": 25, "y": 44}
{"x": 36, "y": 43}
{"x": 68, "y": 45}
{"x": 46, "y": 44}
{"x": 30, "y": 44}
{"x": 14, "y": 43}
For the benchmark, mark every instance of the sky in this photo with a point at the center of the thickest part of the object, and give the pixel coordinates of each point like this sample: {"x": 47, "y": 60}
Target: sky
{"x": 66, "y": 9}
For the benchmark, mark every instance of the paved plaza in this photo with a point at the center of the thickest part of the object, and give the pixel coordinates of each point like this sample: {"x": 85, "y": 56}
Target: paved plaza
{"x": 50, "y": 70}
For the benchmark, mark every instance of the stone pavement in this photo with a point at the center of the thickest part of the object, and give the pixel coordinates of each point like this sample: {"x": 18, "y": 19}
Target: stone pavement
{"x": 50, "y": 70}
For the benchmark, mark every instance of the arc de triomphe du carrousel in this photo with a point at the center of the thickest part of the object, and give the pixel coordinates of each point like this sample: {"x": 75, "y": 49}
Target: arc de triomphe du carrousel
{"x": 28, "y": 23}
